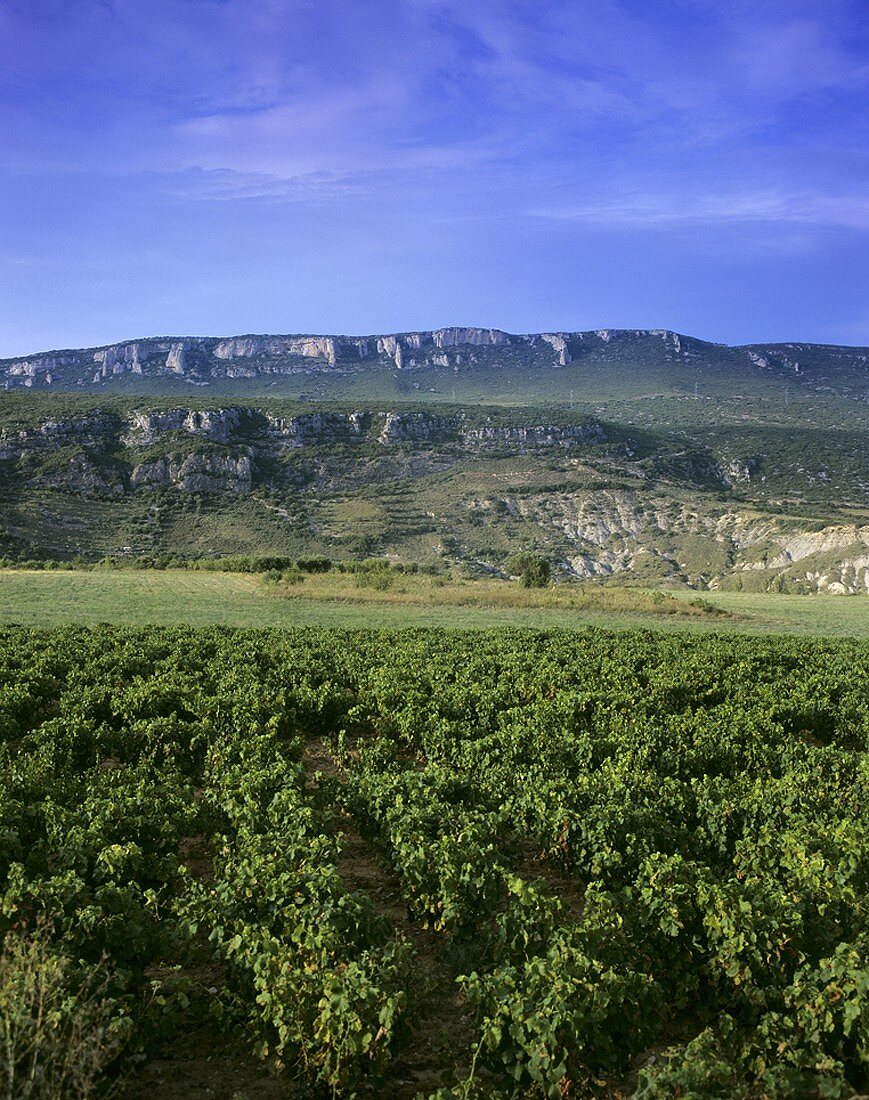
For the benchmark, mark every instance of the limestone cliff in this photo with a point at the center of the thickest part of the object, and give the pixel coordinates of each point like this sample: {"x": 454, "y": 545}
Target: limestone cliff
{"x": 601, "y": 503}
{"x": 216, "y": 425}
{"x": 195, "y": 473}
{"x": 208, "y": 360}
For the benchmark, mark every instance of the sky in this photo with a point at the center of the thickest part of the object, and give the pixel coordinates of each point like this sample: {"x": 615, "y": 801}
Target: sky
{"x": 208, "y": 167}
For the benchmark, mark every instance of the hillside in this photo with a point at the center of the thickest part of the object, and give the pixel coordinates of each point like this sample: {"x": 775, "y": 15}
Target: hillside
{"x": 450, "y": 364}
{"x": 623, "y": 455}
{"x": 683, "y": 492}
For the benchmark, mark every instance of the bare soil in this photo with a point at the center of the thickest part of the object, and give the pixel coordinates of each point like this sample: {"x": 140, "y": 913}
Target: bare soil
{"x": 437, "y": 1050}
{"x": 204, "y": 1063}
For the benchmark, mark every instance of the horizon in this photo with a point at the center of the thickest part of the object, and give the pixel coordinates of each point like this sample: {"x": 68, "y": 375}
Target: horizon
{"x": 212, "y": 165}
{"x": 408, "y": 332}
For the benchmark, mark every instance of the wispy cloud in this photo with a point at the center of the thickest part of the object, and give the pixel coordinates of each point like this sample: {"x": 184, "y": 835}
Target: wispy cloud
{"x": 425, "y": 137}
{"x": 289, "y": 87}
{"x": 796, "y": 56}
{"x": 770, "y": 207}
{"x": 228, "y": 185}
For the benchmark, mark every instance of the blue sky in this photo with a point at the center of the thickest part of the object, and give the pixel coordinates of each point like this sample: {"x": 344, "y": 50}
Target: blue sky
{"x": 224, "y": 166}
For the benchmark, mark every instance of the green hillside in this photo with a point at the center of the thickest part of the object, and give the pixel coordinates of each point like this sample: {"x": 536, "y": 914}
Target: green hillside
{"x": 621, "y": 456}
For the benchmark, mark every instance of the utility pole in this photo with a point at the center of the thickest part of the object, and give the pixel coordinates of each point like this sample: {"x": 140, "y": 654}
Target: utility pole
{"x": 571, "y": 398}
{"x": 787, "y": 397}
{"x": 696, "y": 394}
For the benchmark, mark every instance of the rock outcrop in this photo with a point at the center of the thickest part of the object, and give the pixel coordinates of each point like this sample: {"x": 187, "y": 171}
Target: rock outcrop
{"x": 96, "y": 432}
{"x": 215, "y": 425}
{"x": 217, "y": 449}
{"x": 474, "y": 337}
{"x": 202, "y": 360}
{"x": 539, "y": 435}
{"x": 559, "y": 346}
{"x": 314, "y": 428}
{"x": 195, "y": 473}
{"x": 611, "y": 531}
{"x": 414, "y": 427}
{"x": 251, "y": 347}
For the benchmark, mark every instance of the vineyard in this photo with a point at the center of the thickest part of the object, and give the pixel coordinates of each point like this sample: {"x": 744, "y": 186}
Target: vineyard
{"x": 436, "y": 864}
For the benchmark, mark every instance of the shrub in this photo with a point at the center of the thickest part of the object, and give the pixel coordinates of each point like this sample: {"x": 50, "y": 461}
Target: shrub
{"x": 314, "y": 565}
{"x": 59, "y": 1029}
{"x": 532, "y": 570}
{"x": 378, "y": 579}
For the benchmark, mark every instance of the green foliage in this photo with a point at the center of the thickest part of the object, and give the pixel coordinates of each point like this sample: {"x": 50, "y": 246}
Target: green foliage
{"x": 620, "y": 841}
{"x": 314, "y": 565}
{"x": 560, "y": 1017}
{"x": 378, "y": 579}
{"x": 60, "y": 1028}
{"x": 532, "y": 570}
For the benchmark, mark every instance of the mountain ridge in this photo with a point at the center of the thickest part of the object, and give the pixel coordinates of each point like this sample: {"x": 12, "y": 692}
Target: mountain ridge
{"x": 205, "y": 360}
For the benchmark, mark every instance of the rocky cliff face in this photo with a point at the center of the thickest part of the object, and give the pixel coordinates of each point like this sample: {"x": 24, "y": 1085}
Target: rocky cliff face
{"x": 313, "y": 428}
{"x": 651, "y": 513}
{"x": 537, "y": 435}
{"x": 205, "y": 360}
{"x": 607, "y": 532}
{"x": 215, "y": 425}
{"x": 238, "y": 425}
{"x": 217, "y": 450}
{"x": 414, "y": 427}
{"x": 195, "y": 473}
{"x": 95, "y": 431}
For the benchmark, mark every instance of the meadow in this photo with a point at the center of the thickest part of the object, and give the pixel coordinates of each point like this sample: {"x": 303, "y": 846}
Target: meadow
{"x": 175, "y": 597}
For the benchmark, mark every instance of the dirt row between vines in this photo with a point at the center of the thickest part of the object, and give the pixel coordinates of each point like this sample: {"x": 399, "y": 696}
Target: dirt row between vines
{"x": 437, "y": 1049}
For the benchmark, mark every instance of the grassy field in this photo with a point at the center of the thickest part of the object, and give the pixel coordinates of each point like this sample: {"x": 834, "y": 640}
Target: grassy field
{"x": 203, "y": 599}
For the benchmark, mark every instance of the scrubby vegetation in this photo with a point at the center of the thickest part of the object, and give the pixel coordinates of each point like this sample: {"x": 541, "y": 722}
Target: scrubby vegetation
{"x": 657, "y": 489}
{"x": 377, "y": 582}
{"x": 61, "y": 1027}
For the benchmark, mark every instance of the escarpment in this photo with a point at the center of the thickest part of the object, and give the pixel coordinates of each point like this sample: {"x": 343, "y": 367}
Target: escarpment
{"x": 260, "y": 359}
{"x": 220, "y": 449}
{"x": 601, "y": 500}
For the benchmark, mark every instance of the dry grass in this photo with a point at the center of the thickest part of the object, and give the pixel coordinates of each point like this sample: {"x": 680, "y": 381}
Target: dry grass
{"x": 176, "y": 597}
{"x": 59, "y": 1030}
{"x": 415, "y": 590}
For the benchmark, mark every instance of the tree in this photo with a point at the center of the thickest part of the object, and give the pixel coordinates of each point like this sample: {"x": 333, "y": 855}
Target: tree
{"x": 532, "y": 570}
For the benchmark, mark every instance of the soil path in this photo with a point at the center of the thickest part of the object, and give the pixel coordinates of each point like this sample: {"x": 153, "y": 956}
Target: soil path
{"x": 437, "y": 1049}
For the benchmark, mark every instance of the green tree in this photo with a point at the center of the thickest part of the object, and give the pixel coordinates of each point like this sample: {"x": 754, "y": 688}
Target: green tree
{"x": 532, "y": 570}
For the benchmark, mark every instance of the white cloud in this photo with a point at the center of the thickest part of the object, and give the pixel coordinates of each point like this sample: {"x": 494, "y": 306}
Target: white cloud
{"x": 796, "y": 56}
{"x": 769, "y": 207}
